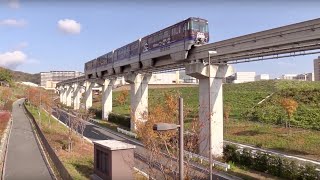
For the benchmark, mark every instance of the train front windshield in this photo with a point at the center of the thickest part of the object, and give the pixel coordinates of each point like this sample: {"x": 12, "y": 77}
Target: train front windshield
{"x": 199, "y": 26}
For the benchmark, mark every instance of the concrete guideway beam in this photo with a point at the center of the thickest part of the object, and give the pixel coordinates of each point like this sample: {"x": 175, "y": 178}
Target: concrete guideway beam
{"x": 215, "y": 101}
{"x": 139, "y": 97}
{"x": 107, "y": 97}
{"x": 88, "y": 94}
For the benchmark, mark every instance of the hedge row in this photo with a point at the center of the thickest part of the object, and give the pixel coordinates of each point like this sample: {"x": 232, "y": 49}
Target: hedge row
{"x": 120, "y": 119}
{"x": 270, "y": 164}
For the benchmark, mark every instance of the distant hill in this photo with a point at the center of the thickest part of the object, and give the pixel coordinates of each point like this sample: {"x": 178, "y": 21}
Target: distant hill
{"x": 25, "y": 77}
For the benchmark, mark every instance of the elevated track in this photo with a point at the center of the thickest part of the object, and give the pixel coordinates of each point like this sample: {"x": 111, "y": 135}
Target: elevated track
{"x": 292, "y": 40}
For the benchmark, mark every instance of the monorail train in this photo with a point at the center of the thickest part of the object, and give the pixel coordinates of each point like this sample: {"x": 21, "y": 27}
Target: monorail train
{"x": 171, "y": 43}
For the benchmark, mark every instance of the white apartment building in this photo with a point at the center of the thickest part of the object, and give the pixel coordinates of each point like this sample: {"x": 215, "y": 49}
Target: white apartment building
{"x": 241, "y": 77}
{"x": 316, "y": 66}
{"x": 288, "y": 76}
{"x": 305, "y": 77}
{"x": 50, "y": 79}
{"x": 262, "y": 77}
{"x": 165, "y": 78}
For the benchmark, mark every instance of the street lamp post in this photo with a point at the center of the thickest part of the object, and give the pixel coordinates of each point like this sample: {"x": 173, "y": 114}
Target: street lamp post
{"x": 167, "y": 126}
{"x": 210, "y": 123}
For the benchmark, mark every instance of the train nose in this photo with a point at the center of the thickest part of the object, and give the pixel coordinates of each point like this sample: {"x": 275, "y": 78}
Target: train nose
{"x": 200, "y": 37}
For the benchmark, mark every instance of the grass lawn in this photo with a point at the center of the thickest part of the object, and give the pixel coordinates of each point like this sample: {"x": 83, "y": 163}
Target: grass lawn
{"x": 296, "y": 141}
{"x": 79, "y": 162}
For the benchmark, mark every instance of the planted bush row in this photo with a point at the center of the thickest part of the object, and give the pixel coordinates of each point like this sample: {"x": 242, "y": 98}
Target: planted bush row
{"x": 270, "y": 164}
{"x": 120, "y": 119}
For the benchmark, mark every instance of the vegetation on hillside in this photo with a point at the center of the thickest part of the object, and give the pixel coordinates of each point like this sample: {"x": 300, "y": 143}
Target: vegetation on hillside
{"x": 307, "y": 96}
{"x": 242, "y": 102}
{"x": 7, "y": 74}
{"x": 265, "y": 128}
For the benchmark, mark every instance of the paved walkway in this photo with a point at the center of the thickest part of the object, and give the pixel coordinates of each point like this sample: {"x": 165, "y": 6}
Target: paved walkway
{"x": 23, "y": 159}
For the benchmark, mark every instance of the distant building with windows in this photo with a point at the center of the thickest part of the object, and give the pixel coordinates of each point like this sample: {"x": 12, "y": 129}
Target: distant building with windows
{"x": 241, "y": 77}
{"x": 299, "y": 77}
{"x": 316, "y": 65}
{"x": 288, "y": 76}
{"x": 50, "y": 79}
{"x": 261, "y": 77}
{"x": 305, "y": 77}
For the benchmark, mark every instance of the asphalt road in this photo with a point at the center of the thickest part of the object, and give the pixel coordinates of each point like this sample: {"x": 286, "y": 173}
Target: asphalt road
{"x": 24, "y": 159}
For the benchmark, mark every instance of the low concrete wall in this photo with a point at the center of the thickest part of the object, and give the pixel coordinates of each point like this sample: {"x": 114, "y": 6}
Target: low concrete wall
{"x": 53, "y": 156}
{"x": 4, "y": 145}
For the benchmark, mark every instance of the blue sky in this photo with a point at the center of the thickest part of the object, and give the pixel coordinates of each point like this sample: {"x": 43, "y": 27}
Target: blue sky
{"x": 35, "y": 40}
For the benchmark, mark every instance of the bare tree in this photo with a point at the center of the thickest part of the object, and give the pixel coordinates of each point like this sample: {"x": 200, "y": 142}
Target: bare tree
{"x": 83, "y": 116}
{"x": 73, "y": 124}
{"x": 162, "y": 147}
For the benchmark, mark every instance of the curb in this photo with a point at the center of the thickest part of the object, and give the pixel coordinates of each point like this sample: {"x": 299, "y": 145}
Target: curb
{"x": 4, "y": 146}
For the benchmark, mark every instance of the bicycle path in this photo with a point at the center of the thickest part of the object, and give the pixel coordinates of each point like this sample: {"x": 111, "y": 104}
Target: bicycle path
{"x": 24, "y": 159}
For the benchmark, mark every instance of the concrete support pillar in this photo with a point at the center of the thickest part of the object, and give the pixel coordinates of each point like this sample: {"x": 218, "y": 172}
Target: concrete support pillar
{"x": 64, "y": 95}
{"x": 107, "y": 98}
{"x": 61, "y": 92}
{"x": 88, "y": 94}
{"x": 69, "y": 95}
{"x": 210, "y": 104}
{"x": 139, "y": 97}
{"x": 76, "y": 96}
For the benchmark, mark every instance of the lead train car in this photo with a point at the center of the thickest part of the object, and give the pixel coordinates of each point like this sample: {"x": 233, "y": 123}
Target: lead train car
{"x": 160, "y": 48}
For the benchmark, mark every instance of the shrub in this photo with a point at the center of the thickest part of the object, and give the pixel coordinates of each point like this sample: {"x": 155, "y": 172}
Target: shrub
{"x": 270, "y": 164}
{"x": 8, "y": 106}
{"x": 260, "y": 162}
{"x": 4, "y": 116}
{"x": 230, "y": 153}
{"x": 246, "y": 158}
{"x": 96, "y": 112}
{"x": 120, "y": 119}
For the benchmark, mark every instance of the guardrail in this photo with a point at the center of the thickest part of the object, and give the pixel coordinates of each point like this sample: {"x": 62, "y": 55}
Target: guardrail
{"x": 54, "y": 158}
{"x": 4, "y": 146}
{"x": 127, "y": 132}
{"x": 225, "y": 166}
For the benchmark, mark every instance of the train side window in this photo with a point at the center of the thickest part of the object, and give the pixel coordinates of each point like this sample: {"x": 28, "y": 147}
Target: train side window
{"x": 166, "y": 34}
{"x": 150, "y": 40}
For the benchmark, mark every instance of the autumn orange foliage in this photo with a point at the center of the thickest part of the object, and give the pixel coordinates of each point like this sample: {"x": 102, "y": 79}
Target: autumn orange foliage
{"x": 290, "y": 106}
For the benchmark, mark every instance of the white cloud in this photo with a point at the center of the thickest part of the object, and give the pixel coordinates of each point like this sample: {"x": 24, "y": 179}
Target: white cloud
{"x": 14, "y": 4}
{"x": 12, "y": 59}
{"x": 13, "y": 22}
{"x": 69, "y": 26}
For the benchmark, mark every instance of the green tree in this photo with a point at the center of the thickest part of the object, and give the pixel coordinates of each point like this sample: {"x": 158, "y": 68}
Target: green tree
{"x": 5, "y": 75}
